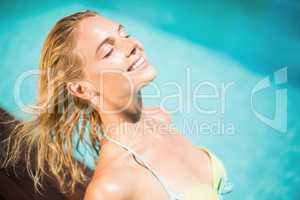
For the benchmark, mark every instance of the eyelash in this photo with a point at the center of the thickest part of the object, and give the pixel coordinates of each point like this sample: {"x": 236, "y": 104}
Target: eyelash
{"x": 108, "y": 54}
{"x": 127, "y": 34}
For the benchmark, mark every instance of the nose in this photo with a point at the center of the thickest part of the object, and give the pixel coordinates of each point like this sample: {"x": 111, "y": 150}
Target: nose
{"x": 132, "y": 50}
{"x": 128, "y": 47}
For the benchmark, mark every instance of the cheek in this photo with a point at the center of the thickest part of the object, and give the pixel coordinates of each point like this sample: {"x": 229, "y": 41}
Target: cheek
{"x": 116, "y": 84}
{"x": 115, "y": 61}
{"x": 112, "y": 84}
{"x": 118, "y": 59}
{"x": 109, "y": 77}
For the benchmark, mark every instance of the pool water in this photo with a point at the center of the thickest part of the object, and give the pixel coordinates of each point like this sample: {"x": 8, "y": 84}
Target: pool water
{"x": 214, "y": 60}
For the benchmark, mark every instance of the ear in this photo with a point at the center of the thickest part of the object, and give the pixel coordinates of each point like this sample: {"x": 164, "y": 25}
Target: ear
{"x": 81, "y": 90}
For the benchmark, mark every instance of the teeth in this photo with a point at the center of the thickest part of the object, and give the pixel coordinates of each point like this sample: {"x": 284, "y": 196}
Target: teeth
{"x": 138, "y": 63}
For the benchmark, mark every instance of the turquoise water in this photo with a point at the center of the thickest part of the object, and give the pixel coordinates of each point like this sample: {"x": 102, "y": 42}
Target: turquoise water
{"x": 222, "y": 49}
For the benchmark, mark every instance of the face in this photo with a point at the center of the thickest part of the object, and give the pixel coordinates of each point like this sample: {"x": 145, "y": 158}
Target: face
{"x": 115, "y": 64}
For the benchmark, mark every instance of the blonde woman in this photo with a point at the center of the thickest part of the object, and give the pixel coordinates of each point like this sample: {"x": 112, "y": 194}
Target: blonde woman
{"x": 91, "y": 74}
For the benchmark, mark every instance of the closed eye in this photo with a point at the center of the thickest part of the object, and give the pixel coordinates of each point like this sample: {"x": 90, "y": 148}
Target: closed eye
{"x": 123, "y": 32}
{"x": 108, "y": 53}
{"x": 127, "y": 36}
{"x": 107, "y": 48}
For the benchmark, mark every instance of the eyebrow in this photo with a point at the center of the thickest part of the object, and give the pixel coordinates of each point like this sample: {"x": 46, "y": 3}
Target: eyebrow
{"x": 119, "y": 27}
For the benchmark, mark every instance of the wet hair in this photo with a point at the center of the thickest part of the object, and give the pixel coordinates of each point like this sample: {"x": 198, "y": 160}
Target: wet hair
{"x": 48, "y": 137}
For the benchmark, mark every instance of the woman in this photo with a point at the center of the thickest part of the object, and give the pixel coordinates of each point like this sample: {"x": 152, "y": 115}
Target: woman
{"x": 91, "y": 74}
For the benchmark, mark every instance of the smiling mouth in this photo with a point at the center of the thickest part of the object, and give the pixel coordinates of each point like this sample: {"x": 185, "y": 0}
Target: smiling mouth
{"x": 139, "y": 63}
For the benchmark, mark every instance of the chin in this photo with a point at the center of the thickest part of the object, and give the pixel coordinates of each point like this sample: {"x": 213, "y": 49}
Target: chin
{"x": 148, "y": 75}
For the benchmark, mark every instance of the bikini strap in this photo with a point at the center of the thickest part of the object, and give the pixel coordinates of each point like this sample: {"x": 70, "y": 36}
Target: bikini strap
{"x": 142, "y": 162}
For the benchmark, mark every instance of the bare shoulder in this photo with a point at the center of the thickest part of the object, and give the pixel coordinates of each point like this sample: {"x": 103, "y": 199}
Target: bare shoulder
{"x": 111, "y": 185}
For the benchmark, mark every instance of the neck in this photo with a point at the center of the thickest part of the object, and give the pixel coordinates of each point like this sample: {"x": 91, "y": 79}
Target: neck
{"x": 111, "y": 120}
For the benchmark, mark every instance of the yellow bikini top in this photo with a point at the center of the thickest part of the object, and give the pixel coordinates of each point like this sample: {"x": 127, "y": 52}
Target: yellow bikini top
{"x": 220, "y": 184}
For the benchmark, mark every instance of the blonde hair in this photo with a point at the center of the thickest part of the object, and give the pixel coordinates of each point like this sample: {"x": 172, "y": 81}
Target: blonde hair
{"x": 47, "y": 140}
